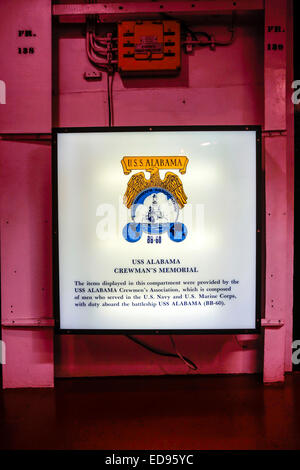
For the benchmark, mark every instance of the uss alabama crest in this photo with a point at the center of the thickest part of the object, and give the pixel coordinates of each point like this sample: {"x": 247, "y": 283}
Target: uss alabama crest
{"x": 154, "y": 203}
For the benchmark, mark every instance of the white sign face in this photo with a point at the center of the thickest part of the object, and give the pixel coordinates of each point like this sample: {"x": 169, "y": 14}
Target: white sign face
{"x": 157, "y": 230}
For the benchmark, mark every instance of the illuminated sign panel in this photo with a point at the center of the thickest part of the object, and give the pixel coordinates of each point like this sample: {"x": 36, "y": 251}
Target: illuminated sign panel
{"x": 156, "y": 229}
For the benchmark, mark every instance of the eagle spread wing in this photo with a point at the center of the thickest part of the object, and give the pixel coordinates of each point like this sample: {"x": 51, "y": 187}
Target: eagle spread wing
{"x": 136, "y": 184}
{"x": 173, "y": 184}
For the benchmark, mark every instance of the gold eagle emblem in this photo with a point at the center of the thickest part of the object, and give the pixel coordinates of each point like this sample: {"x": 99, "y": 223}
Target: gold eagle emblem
{"x": 138, "y": 183}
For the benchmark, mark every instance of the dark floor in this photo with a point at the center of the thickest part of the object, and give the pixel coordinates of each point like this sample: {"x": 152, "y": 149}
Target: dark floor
{"x": 199, "y": 412}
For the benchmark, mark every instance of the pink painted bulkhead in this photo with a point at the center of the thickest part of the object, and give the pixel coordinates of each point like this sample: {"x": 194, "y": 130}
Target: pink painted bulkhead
{"x": 221, "y": 87}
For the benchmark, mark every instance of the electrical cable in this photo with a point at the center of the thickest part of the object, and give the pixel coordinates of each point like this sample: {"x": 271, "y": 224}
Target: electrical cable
{"x": 110, "y": 78}
{"x": 100, "y": 51}
{"x": 220, "y": 43}
{"x": 182, "y": 23}
{"x": 100, "y": 64}
{"x": 187, "y": 361}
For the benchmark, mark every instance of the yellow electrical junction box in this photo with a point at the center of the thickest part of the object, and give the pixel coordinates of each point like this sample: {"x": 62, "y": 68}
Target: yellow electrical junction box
{"x": 149, "y": 47}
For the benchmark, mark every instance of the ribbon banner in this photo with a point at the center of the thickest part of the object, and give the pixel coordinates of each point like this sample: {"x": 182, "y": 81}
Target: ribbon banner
{"x": 162, "y": 163}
